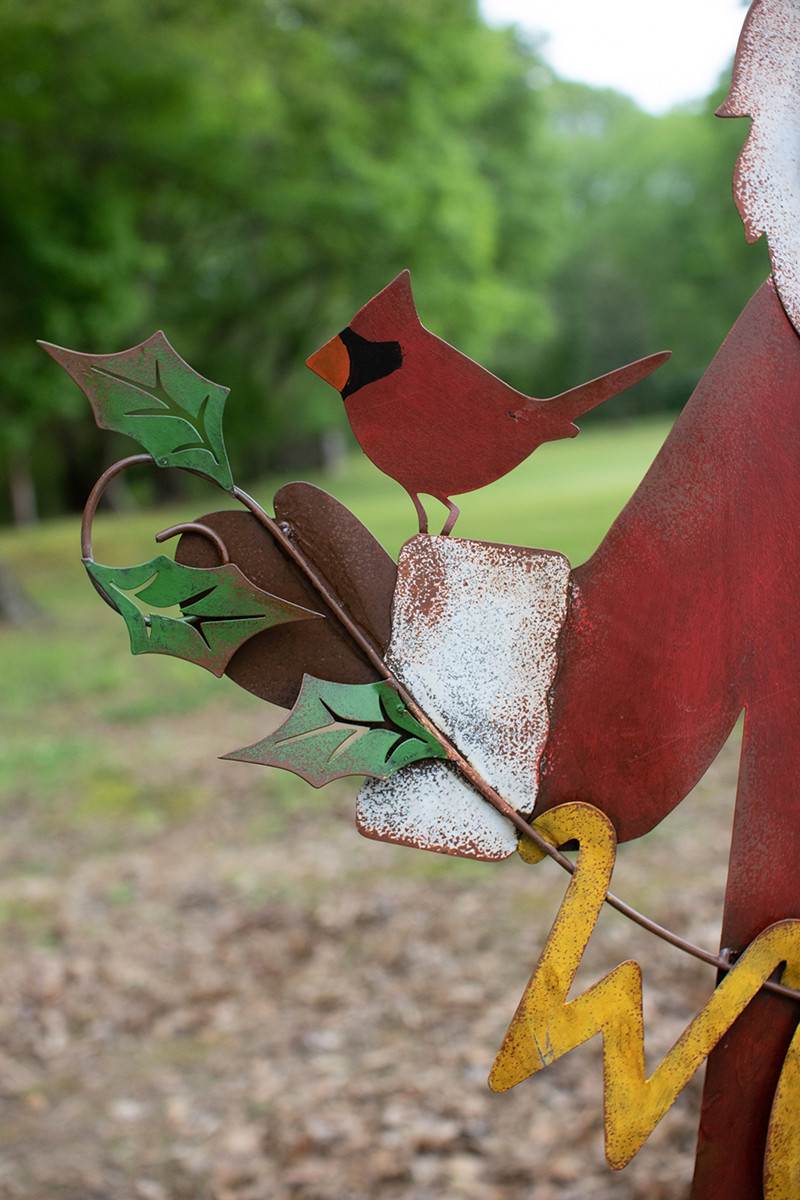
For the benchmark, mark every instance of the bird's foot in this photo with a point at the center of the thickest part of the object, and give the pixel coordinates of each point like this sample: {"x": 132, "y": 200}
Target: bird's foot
{"x": 421, "y": 513}
{"x": 453, "y": 515}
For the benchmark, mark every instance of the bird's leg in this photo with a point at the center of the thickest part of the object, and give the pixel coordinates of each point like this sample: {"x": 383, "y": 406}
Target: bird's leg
{"x": 421, "y": 513}
{"x": 453, "y": 515}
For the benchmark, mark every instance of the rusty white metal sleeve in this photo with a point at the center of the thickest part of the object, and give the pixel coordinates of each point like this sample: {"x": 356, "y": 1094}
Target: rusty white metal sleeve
{"x": 474, "y": 635}
{"x": 428, "y": 806}
{"x": 766, "y": 87}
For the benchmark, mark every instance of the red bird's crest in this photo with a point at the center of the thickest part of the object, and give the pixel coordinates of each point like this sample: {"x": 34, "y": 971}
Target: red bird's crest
{"x": 390, "y": 313}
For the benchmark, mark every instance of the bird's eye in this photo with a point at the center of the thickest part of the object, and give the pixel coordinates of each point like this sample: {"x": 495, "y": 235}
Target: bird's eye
{"x": 369, "y": 361}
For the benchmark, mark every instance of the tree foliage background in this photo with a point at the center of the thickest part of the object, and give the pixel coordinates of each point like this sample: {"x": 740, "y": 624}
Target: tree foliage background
{"x": 246, "y": 174}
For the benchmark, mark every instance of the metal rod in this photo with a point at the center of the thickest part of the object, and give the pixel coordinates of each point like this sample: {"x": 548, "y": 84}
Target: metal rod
{"x": 196, "y": 527}
{"x": 282, "y": 535}
{"x": 90, "y": 511}
{"x": 96, "y": 495}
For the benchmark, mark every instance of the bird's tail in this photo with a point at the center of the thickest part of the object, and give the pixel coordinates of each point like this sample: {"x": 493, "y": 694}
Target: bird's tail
{"x": 579, "y": 400}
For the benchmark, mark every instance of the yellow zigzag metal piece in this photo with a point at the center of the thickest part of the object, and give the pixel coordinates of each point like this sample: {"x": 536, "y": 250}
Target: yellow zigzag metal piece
{"x": 546, "y": 1026}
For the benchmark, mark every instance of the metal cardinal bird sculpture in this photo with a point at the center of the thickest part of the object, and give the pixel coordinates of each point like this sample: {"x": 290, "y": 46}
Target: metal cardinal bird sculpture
{"x": 497, "y": 700}
{"x": 433, "y": 419}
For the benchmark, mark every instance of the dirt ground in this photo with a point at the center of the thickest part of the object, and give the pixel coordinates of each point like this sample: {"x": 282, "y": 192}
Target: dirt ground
{"x": 254, "y": 1003}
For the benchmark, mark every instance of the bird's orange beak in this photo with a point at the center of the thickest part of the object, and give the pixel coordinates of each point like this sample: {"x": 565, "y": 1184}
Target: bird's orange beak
{"x": 332, "y": 363}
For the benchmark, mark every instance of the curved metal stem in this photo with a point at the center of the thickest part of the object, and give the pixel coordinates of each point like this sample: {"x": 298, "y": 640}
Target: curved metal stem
{"x": 283, "y": 536}
{"x": 96, "y": 495}
{"x": 90, "y": 511}
{"x": 196, "y": 527}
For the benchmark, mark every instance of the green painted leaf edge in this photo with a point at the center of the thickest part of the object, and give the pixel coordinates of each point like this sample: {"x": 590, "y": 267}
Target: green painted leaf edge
{"x": 74, "y": 362}
{"x": 136, "y": 623}
{"x": 427, "y": 748}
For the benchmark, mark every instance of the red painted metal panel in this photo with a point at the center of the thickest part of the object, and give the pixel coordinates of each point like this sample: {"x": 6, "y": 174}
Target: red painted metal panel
{"x": 683, "y": 617}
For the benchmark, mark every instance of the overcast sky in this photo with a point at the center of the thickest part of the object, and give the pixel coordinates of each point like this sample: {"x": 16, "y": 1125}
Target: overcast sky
{"x": 659, "y": 53}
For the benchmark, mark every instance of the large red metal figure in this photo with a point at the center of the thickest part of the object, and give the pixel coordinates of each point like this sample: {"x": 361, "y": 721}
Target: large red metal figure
{"x": 686, "y": 615}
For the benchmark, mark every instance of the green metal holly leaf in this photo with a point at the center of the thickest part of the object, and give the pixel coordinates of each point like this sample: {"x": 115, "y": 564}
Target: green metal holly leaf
{"x": 339, "y": 729}
{"x": 220, "y": 609}
{"x": 151, "y": 394}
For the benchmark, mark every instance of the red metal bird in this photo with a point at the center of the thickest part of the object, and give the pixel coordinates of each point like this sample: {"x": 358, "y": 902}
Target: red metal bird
{"x": 431, "y": 418}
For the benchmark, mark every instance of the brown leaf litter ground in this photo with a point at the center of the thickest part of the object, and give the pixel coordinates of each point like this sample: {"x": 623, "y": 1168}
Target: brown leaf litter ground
{"x": 248, "y": 1001}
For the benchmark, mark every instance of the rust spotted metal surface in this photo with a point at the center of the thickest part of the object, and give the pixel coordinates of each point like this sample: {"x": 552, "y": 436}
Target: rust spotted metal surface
{"x": 474, "y": 637}
{"x": 682, "y": 619}
{"x": 782, "y": 1161}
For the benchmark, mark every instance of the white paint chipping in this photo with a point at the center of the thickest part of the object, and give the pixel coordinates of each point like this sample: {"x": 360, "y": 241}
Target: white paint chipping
{"x": 474, "y": 635}
{"x": 766, "y": 87}
{"x": 429, "y": 807}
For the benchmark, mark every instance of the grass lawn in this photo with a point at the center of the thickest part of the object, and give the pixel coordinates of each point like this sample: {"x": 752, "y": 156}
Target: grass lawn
{"x": 93, "y": 738}
{"x": 213, "y": 987}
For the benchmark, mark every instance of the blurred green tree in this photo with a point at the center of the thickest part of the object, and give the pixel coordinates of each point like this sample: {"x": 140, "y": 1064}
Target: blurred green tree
{"x": 657, "y": 256}
{"x": 245, "y": 175}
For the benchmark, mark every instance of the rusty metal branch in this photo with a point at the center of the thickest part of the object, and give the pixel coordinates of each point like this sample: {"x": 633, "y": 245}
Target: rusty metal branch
{"x": 96, "y": 495}
{"x": 282, "y": 533}
{"x": 196, "y": 527}
{"x": 90, "y": 511}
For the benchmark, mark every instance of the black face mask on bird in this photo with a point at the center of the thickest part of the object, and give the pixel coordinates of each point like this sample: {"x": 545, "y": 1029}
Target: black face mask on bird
{"x": 348, "y": 362}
